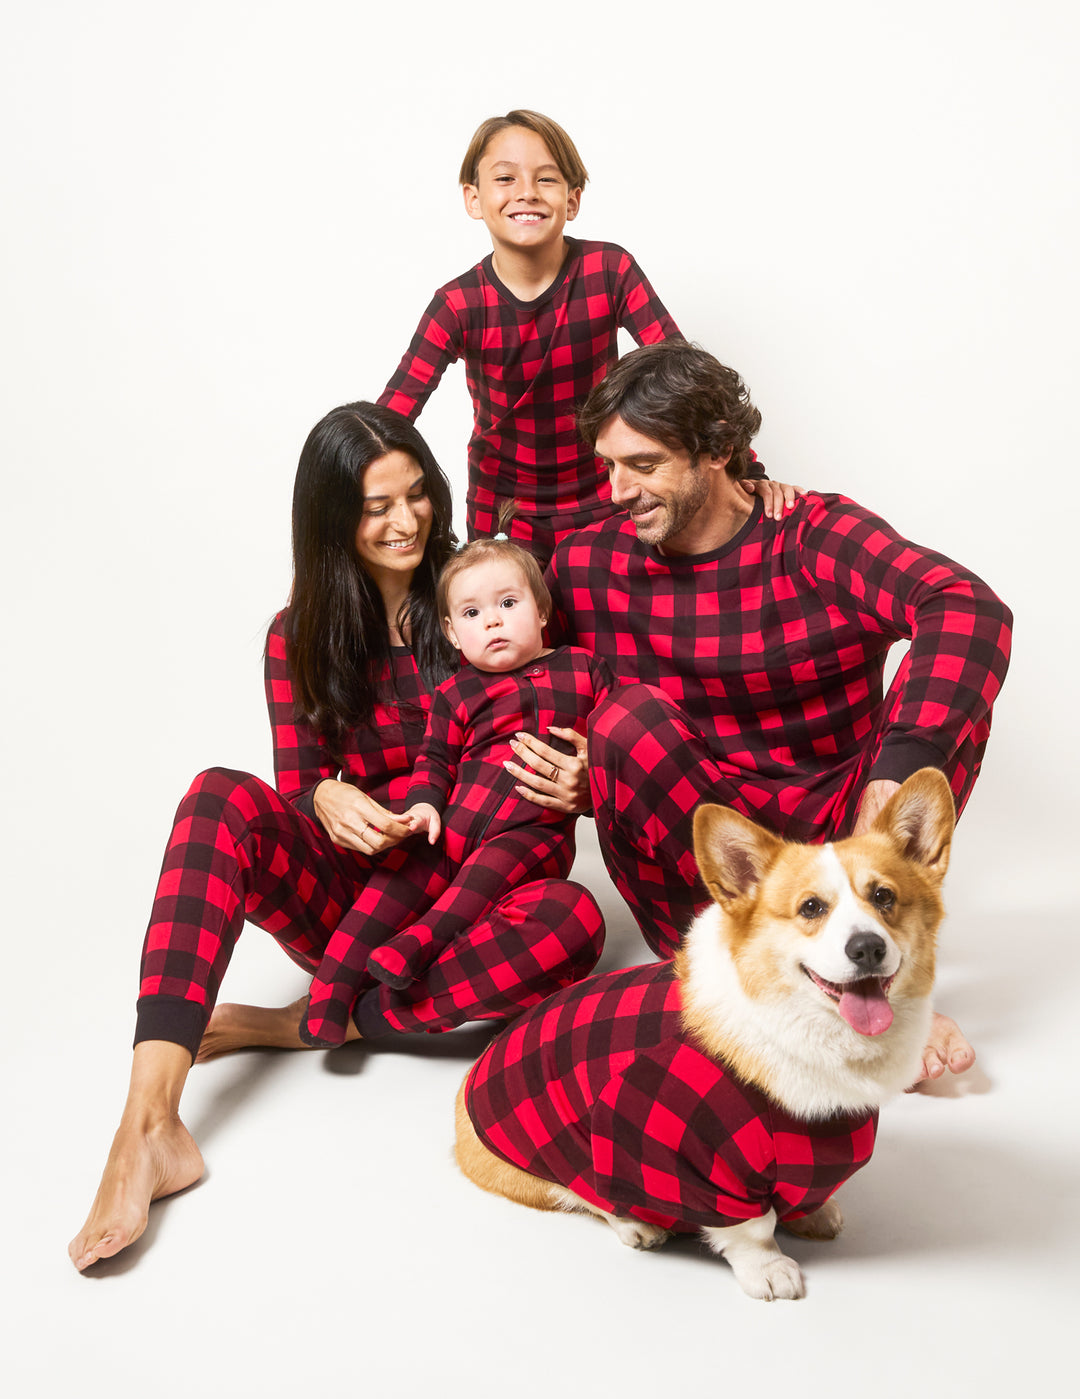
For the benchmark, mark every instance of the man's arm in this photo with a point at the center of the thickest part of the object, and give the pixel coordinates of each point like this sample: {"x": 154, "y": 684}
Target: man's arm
{"x": 960, "y": 631}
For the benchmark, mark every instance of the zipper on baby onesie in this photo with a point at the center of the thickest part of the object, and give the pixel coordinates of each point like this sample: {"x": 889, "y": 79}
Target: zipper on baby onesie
{"x": 529, "y": 675}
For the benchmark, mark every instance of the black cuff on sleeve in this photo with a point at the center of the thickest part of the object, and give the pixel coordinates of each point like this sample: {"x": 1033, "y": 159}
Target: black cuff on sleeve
{"x": 368, "y": 1017}
{"x": 902, "y": 756}
{"x": 171, "y": 1018}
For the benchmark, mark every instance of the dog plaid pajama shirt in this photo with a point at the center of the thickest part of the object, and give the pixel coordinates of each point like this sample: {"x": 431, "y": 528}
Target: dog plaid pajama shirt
{"x": 601, "y": 1090}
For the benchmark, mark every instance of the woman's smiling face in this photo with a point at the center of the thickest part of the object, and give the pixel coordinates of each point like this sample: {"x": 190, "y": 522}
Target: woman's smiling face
{"x": 396, "y": 520}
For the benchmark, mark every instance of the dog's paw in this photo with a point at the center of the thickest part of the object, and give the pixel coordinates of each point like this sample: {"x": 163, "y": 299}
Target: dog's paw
{"x": 776, "y": 1278}
{"x": 634, "y": 1233}
{"x": 824, "y": 1223}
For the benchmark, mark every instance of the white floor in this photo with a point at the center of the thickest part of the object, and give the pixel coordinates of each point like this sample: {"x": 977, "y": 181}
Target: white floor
{"x": 333, "y": 1243}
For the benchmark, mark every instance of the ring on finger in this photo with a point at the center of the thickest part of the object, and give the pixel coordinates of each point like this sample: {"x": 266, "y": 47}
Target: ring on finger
{"x": 554, "y": 772}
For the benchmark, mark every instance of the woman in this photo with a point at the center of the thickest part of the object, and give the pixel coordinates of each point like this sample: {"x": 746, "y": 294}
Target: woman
{"x": 350, "y": 666}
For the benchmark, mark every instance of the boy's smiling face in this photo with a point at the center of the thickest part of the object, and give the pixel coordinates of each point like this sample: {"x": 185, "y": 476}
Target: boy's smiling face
{"x": 520, "y": 193}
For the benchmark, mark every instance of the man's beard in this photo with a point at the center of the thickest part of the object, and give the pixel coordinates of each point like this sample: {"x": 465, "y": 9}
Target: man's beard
{"x": 676, "y": 512}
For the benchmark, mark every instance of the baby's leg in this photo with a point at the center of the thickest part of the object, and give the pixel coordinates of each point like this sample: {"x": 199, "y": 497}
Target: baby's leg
{"x": 539, "y": 938}
{"x": 501, "y": 864}
{"x": 393, "y": 895}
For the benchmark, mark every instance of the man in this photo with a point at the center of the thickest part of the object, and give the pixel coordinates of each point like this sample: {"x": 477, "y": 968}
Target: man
{"x": 752, "y": 650}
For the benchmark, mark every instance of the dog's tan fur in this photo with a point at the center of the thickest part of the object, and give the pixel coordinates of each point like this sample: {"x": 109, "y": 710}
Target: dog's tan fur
{"x": 749, "y": 1002}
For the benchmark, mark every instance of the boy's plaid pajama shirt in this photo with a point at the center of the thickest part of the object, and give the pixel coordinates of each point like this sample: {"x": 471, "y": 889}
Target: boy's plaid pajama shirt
{"x": 529, "y": 365}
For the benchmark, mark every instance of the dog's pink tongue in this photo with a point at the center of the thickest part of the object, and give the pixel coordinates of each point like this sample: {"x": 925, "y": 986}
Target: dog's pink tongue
{"x": 865, "y": 1006}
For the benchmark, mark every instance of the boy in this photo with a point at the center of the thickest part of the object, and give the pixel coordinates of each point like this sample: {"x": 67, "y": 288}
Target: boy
{"x": 536, "y": 323}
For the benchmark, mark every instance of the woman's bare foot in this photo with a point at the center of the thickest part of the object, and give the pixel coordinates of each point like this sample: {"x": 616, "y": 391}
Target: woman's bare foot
{"x": 234, "y": 1027}
{"x": 145, "y": 1164}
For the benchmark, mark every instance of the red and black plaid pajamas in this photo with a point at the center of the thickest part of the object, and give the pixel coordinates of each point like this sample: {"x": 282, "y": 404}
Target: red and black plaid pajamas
{"x": 493, "y": 840}
{"x": 753, "y": 676}
{"x": 601, "y": 1090}
{"x": 529, "y": 365}
{"x": 241, "y": 850}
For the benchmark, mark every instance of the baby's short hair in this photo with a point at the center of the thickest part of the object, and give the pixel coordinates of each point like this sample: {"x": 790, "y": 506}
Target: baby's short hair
{"x": 492, "y": 551}
{"x": 550, "y": 132}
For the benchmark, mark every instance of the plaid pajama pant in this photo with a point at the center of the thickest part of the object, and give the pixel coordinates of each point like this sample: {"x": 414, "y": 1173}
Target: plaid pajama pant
{"x": 240, "y": 851}
{"x": 649, "y": 767}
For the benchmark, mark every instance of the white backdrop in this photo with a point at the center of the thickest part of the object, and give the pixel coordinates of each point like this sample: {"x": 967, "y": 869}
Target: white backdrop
{"x": 225, "y": 218}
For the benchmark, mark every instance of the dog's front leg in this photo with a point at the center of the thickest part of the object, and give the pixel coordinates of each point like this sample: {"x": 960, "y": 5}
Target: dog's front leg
{"x": 760, "y": 1269}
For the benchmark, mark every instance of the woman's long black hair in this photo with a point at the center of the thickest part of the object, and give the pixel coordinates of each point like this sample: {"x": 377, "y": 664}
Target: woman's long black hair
{"x": 336, "y": 634}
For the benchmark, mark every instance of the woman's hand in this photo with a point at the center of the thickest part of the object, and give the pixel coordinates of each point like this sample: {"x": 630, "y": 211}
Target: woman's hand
{"x": 776, "y": 495}
{"x": 355, "y": 822}
{"x": 553, "y": 779}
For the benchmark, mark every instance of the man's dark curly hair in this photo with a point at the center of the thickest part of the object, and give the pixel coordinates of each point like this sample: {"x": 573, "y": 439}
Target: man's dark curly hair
{"x": 680, "y": 395}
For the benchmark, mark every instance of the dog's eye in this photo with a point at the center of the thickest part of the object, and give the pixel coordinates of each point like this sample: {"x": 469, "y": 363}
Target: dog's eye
{"x": 812, "y": 908}
{"x": 883, "y": 898}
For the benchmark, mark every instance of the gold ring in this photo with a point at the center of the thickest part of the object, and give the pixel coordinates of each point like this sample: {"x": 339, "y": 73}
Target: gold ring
{"x": 554, "y": 772}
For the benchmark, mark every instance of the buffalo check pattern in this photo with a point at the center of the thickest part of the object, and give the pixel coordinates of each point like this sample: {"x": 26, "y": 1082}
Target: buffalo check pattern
{"x": 753, "y": 676}
{"x": 600, "y": 1090}
{"x": 378, "y": 757}
{"x": 492, "y": 840}
{"x": 241, "y": 850}
{"x": 529, "y": 365}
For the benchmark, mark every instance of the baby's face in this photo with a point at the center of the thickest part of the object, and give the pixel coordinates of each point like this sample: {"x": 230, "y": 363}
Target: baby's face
{"x": 494, "y": 620}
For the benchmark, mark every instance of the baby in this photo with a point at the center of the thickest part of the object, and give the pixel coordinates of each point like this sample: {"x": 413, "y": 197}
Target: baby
{"x": 491, "y": 839}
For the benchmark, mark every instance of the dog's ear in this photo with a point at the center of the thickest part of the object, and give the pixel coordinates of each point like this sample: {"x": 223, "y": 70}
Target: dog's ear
{"x": 919, "y": 819}
{"x": 732, "y": 853}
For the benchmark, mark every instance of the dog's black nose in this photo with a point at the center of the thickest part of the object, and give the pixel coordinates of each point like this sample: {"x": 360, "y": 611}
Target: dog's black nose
{"x": 866, "y": 950}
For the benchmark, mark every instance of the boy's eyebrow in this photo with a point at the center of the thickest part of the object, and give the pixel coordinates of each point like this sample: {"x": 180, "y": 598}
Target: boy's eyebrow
{"x": 513, "y": 165}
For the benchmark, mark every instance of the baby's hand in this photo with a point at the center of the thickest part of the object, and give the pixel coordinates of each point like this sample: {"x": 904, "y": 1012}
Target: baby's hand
{"x": 424, "y": 817}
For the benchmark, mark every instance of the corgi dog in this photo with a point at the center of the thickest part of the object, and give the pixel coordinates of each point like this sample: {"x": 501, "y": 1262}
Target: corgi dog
{"x": 738, "y": 1085}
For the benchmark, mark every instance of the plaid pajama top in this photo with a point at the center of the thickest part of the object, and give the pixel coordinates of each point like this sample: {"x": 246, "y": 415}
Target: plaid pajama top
{"x": 378, "y": 758}
{"x": 529, "y": 365}
{"x": 774, "y": 645}
{"x": 600, "y": 1089}
{"x": 475, "y": 714}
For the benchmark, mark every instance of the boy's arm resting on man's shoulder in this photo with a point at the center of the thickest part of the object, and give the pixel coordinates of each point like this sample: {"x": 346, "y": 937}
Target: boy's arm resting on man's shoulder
{"x": 638, "y": 309}
{"x": 435, "y": 344}
{"x": 960, "y": 630}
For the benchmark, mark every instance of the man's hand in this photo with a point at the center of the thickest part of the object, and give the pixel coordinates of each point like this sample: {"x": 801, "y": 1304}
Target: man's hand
{"x": 874, "y": 797}
{"x": 355, "y": 822}
{"x": 553, "y": 779}
{"x": 946, "y": 1049}
{"x": 424, "y": 817}
{"x": 777, "y": 496}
